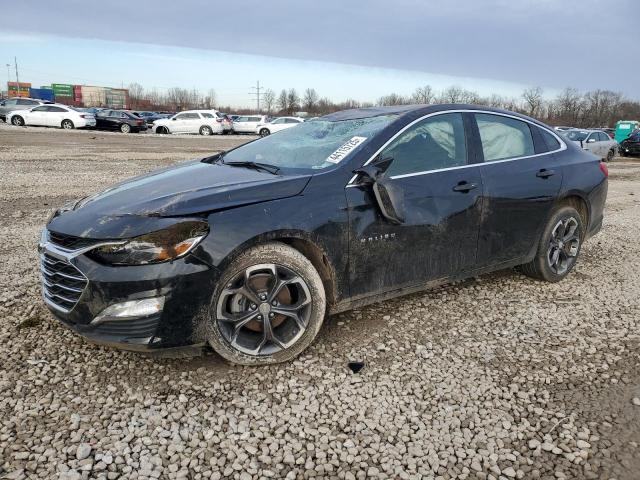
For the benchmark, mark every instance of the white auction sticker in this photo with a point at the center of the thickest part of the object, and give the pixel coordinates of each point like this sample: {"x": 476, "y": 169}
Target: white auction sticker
{"x": 345, "y": 149}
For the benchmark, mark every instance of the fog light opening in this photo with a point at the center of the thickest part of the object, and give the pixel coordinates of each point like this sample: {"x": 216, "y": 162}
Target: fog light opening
{"x": 130, "y": 310}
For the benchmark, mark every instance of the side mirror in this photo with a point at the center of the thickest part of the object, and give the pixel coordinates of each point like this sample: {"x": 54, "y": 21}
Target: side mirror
{"x": 173, "y": 119}
{"x": 389, "y": 197}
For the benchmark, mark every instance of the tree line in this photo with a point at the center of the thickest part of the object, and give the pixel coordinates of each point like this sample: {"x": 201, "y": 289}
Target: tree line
{"x": 571, "y": 107}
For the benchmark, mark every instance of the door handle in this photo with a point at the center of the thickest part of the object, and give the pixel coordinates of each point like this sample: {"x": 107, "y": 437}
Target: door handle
{"x": 464, "y": 187}
{"x": 544, "y": 173}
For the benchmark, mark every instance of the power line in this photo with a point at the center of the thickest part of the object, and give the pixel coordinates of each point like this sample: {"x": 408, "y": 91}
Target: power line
{"x": 256, "y": 92}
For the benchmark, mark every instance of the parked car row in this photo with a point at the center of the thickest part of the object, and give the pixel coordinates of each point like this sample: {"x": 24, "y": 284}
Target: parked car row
{"x": 28, "y": 111}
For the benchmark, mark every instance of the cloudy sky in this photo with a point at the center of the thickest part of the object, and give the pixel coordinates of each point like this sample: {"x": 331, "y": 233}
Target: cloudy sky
{"x": 358, "y": 49}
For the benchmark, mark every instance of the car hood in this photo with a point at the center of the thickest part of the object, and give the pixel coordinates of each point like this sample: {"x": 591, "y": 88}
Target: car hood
{"x": 184, "y": 190}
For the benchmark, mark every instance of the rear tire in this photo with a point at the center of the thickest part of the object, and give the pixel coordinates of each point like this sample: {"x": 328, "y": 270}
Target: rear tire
{"x": 559, "y": 246}
{"x": 267, "y": 307}
{"x": 67, "y": 125}
{"x": 264, "y": 132}
{"x": 125, "y": 128}
{"x": 17, "y": 120}
{"x": 205, "y": 130}
{"x": 162, "y": 130}
{"x": 610, "y": 156}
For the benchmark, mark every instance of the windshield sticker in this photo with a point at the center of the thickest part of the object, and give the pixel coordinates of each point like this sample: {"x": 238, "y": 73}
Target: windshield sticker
{"x": 346, "y": 149}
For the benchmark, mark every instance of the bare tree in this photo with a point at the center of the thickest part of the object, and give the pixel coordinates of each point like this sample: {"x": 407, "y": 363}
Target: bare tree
{"x": 293, "y": 101}
{"x": 209, "y": 100}
{"x": 532, "y": 100}
{"x": 268, "y": 99}
{"x": 310, "y": 99}
{"x": 393, "y": 99}
{"x": 283, "y": 101}
{"x": 453, "y": 94}
{"x": 136, "y": 94}
{"x": 423, "y": 95}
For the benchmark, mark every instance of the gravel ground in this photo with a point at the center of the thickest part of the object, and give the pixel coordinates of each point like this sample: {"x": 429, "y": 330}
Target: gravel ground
{"x": 497, "y": 377}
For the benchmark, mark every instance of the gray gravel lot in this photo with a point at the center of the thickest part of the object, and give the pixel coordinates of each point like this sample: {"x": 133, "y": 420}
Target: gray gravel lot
{"x": 497, "y": 377}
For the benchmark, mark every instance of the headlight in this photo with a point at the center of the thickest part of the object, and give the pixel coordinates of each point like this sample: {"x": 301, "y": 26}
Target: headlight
{"x": 156, "y": 247}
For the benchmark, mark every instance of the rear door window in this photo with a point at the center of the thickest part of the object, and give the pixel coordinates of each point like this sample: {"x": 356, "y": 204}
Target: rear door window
{"x": 56, "y": 109}
{"x": 503, "y": 138}
{"x": 206, "y": 115}
{"x": 551, "y": 142}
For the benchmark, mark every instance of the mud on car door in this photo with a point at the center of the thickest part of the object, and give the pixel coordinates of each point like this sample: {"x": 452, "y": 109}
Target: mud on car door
{"x": 436, "y": 201}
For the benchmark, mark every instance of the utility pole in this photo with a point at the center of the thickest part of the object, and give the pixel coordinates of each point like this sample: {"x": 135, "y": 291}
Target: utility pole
{"x": 256, "y": 92}
{"x": 15, "y": 59}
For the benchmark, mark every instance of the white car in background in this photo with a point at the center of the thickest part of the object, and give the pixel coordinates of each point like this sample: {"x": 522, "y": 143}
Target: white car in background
{"x": 277, "y": 124}
{"x": 594, "y": 141}
{"x": 52, "y": 115}
{"x": 249, "y": 123}
{"x": 204, "y": 122}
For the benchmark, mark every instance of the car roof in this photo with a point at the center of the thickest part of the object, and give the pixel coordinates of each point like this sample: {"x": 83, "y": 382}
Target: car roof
{"x": 417, "y": 111}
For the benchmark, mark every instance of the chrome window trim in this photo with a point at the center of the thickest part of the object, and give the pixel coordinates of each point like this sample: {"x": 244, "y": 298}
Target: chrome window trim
{"x": 563, "y": 145}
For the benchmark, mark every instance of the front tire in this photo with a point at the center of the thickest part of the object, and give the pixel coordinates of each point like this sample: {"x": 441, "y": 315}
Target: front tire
{"x": 125, "y": 128}
{"x": 17, "y": 120}
{"x": 264, "y": 132}
{"x": 67, "y": 125}
{"x": 268, "y": 306}
{"x": 204, "y": 130}
{"x": 162, "y": 130}
{"x": 559, "y": 246}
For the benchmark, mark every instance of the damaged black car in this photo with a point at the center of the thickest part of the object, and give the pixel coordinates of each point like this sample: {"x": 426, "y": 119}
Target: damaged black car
{"x": 248, "y": 250}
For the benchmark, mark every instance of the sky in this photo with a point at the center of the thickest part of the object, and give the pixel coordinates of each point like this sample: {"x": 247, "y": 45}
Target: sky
{"x": 359, "y": 49}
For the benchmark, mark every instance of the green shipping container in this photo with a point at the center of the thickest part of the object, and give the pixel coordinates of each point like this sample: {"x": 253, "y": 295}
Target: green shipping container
{"x": 624, "y": 128}
{"x": 62, "y": 89}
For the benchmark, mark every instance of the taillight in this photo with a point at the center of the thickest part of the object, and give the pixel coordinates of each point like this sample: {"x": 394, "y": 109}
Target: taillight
{"x": 139, "y": 122}
{"x": 604, "y": 169}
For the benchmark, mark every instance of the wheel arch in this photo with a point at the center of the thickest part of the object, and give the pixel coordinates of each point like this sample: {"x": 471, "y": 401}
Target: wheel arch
{"x": 303, "y": 243}
{"x": 578, "y": 201}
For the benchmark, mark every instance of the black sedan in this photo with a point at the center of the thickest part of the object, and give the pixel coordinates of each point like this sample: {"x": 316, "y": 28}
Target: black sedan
{"x": 121, "y": 120}
{"x": 630, "y": 145}
{"x": 248, "y": 250}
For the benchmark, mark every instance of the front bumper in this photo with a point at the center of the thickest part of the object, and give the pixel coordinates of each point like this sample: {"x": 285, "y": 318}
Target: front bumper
{"x": 77, "y": 289}
{"x": 630, "y": 148}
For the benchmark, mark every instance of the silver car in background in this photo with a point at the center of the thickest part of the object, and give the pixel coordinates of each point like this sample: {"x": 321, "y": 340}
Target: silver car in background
{"x": 594, "y": 141}
{"x": 248, "y": 123}
{"x": 18, "y": 103}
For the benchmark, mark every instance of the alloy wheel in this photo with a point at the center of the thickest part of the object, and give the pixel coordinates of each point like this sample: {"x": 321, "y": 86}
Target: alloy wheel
{"x": 264, "y": 309}
{"x": 563, "y": 245}
{"x": 67, "y": 125}
{"x": 17, "y": 121}
{"x": 125, "y": 128}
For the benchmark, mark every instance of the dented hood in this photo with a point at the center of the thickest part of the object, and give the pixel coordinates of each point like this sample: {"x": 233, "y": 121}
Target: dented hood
{"x": 187, "y": 189}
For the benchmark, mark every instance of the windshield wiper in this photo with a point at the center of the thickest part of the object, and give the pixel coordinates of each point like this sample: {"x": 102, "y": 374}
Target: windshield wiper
{"x": 255, "y": 165}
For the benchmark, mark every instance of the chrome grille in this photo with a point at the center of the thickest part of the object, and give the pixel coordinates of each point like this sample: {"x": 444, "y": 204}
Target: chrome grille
{"x": 62, "y": 283}
{"x": 69, "y": 241}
